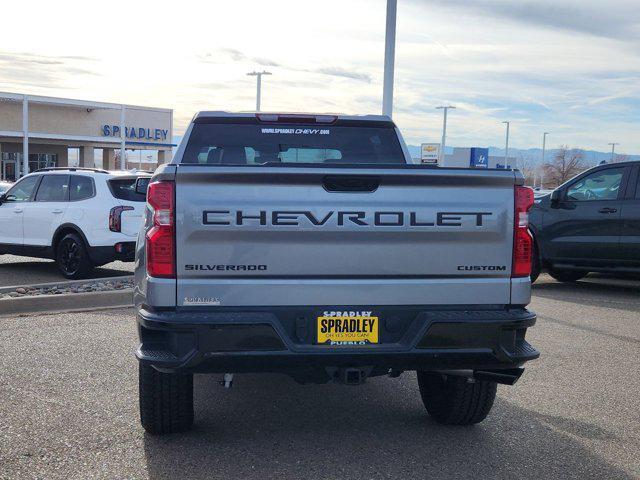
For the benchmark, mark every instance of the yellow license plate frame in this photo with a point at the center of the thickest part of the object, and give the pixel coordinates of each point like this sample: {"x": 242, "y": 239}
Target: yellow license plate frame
{"x": 348, "y": 330}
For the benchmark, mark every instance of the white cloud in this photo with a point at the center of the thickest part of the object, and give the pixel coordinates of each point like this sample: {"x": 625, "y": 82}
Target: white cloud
{"x": 571, "y": 67}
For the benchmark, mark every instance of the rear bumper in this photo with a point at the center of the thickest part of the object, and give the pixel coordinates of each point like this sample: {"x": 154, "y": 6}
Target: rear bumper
{"x": 123, "y": 251}
{"x": 282, "y": 340}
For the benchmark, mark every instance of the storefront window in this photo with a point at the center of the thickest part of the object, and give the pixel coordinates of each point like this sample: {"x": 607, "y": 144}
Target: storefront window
{"x": 42, "y": 160}
{"x": 11, "y": 164}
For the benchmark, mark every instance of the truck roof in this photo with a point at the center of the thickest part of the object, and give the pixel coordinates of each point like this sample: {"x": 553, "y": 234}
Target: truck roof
{"x": 253, "y": 114}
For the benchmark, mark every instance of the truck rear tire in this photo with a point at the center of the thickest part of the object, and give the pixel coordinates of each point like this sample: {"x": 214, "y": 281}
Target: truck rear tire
{"x": 454, "y": 400}
{"x": 166, "y": 400}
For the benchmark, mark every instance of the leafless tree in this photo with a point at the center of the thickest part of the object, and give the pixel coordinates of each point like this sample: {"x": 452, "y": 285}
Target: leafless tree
{"x": 528, "y": 168}
{"x": 567, "y": 163}
{"x": 621, "y": 158}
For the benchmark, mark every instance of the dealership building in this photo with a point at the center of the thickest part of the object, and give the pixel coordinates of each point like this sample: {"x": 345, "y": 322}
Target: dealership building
{"x": 38, "y": 132}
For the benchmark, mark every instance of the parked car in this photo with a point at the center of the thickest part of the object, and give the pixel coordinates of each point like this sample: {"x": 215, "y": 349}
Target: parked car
{"x": 4, "y": 186}
{"x": 589, "y": 224}
{"x": 82, "y": 218}
{"x": 310, "y": 245}
{"x": 538, "y": 193}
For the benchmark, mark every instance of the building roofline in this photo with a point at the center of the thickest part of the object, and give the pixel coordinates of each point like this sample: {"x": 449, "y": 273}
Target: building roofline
{"x": 70, "y": 102}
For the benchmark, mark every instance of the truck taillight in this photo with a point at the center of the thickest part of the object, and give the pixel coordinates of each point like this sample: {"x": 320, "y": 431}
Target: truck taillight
{"x": 522, "y": 241}
{"x": 115, "y": 217}
{"x": 160, "y": 239}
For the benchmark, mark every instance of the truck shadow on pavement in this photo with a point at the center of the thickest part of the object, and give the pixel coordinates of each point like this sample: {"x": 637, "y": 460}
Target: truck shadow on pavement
{"x": 269, "y": 427}
{"x": 595, "y": 291}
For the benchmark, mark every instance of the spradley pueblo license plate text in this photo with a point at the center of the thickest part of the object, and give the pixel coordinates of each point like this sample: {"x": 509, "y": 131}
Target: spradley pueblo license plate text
{"x": 347, "y": 328}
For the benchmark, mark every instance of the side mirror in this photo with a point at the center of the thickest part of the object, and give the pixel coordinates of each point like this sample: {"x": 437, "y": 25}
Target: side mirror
{"x": 142, "y": 184}
{"x": 3, "y": 198}
{"x": 556, "y": 195}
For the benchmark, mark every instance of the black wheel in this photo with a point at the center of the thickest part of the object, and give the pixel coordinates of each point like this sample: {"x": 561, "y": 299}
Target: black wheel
{"x": 72, "y": 258}
{"x": 567, "y": 275}
{"x": 166, "y": 400}
{"x": 535, "y": 264}
{"x": 456, "y": 400}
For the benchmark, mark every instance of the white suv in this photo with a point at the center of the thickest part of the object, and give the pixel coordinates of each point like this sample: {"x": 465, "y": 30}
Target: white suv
{"x": 82, "y": 218}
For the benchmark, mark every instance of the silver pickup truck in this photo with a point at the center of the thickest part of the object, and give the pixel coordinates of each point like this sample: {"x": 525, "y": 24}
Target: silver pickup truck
{"x": 312, "y": 245}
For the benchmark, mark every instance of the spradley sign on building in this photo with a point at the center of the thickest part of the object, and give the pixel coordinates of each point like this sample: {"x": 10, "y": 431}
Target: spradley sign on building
{"x": 135, "y": 132}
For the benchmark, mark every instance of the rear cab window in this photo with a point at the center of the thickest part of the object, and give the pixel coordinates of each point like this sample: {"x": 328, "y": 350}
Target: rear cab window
{"x": 125, "y": 189}
{"x": 263, "y": 143}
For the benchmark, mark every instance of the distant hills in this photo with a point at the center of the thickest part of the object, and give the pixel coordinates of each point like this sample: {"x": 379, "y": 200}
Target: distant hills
{"x": 591, "y": 157}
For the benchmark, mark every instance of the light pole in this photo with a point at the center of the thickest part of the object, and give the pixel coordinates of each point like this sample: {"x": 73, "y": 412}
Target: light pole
{"x": 123, "y": 139}
{"x": 544, "y": 148}
{"x": 389, "y": 57}
{"x": 613, "y": 149}
{"x": 445, "y": 109}
{"x": 258, "y": 75}
{"x": 506, "y": 146}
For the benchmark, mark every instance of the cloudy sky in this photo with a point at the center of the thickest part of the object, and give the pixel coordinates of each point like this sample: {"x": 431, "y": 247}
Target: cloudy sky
{"x": 570, "y": 67}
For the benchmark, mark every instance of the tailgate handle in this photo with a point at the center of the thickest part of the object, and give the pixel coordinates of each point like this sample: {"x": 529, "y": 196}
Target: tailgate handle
{"x": 350, "y": 183}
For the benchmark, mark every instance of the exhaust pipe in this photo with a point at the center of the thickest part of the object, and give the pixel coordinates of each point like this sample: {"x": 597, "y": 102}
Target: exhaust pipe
{"x": 505, "y": 377}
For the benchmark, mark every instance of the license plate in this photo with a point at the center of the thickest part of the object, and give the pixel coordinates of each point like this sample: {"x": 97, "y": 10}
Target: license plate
{"x": 348, "y": 328}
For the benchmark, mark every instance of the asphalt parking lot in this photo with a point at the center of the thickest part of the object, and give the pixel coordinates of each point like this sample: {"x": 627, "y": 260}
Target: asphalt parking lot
{"x": 16, "y": 270}
{"x": 69, "y": 408}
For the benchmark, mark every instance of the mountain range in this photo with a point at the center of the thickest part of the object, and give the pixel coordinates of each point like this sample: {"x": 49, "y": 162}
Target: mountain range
{"x": 591, "y": 157}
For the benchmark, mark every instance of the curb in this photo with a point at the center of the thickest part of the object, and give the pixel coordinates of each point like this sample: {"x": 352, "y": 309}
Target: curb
{"x": 67, "y": 283}
{"x": 11, "y": 307}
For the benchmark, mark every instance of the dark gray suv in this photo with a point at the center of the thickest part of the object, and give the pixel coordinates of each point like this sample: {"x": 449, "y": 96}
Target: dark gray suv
{"x": 589, "y": 224}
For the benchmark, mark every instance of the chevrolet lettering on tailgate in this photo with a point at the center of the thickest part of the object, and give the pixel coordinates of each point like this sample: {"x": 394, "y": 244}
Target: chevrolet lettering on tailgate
{"x": 387, "y": 218}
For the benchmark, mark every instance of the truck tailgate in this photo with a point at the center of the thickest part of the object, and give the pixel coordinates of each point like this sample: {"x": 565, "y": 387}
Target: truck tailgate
{"x": 268, "y": 236}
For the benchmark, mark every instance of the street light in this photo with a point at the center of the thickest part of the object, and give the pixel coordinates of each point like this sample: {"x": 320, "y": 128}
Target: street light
{"x": 613, "y": 149}
{"x": 506, "y": 147}
{"x": 445, "y": 109}
{"x": 544, "y": 147}
{"x": 259, "y": 87}
{"x": 389, "y": 58}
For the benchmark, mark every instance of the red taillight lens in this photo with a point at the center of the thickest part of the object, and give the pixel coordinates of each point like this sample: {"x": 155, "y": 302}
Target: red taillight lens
{"x": 160, "y": 198}
{"x": 160, "y": 253}
{"x": 160, "y": 246}
{"x": 522, "y": 241}
{"x": 115, "y": 217}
